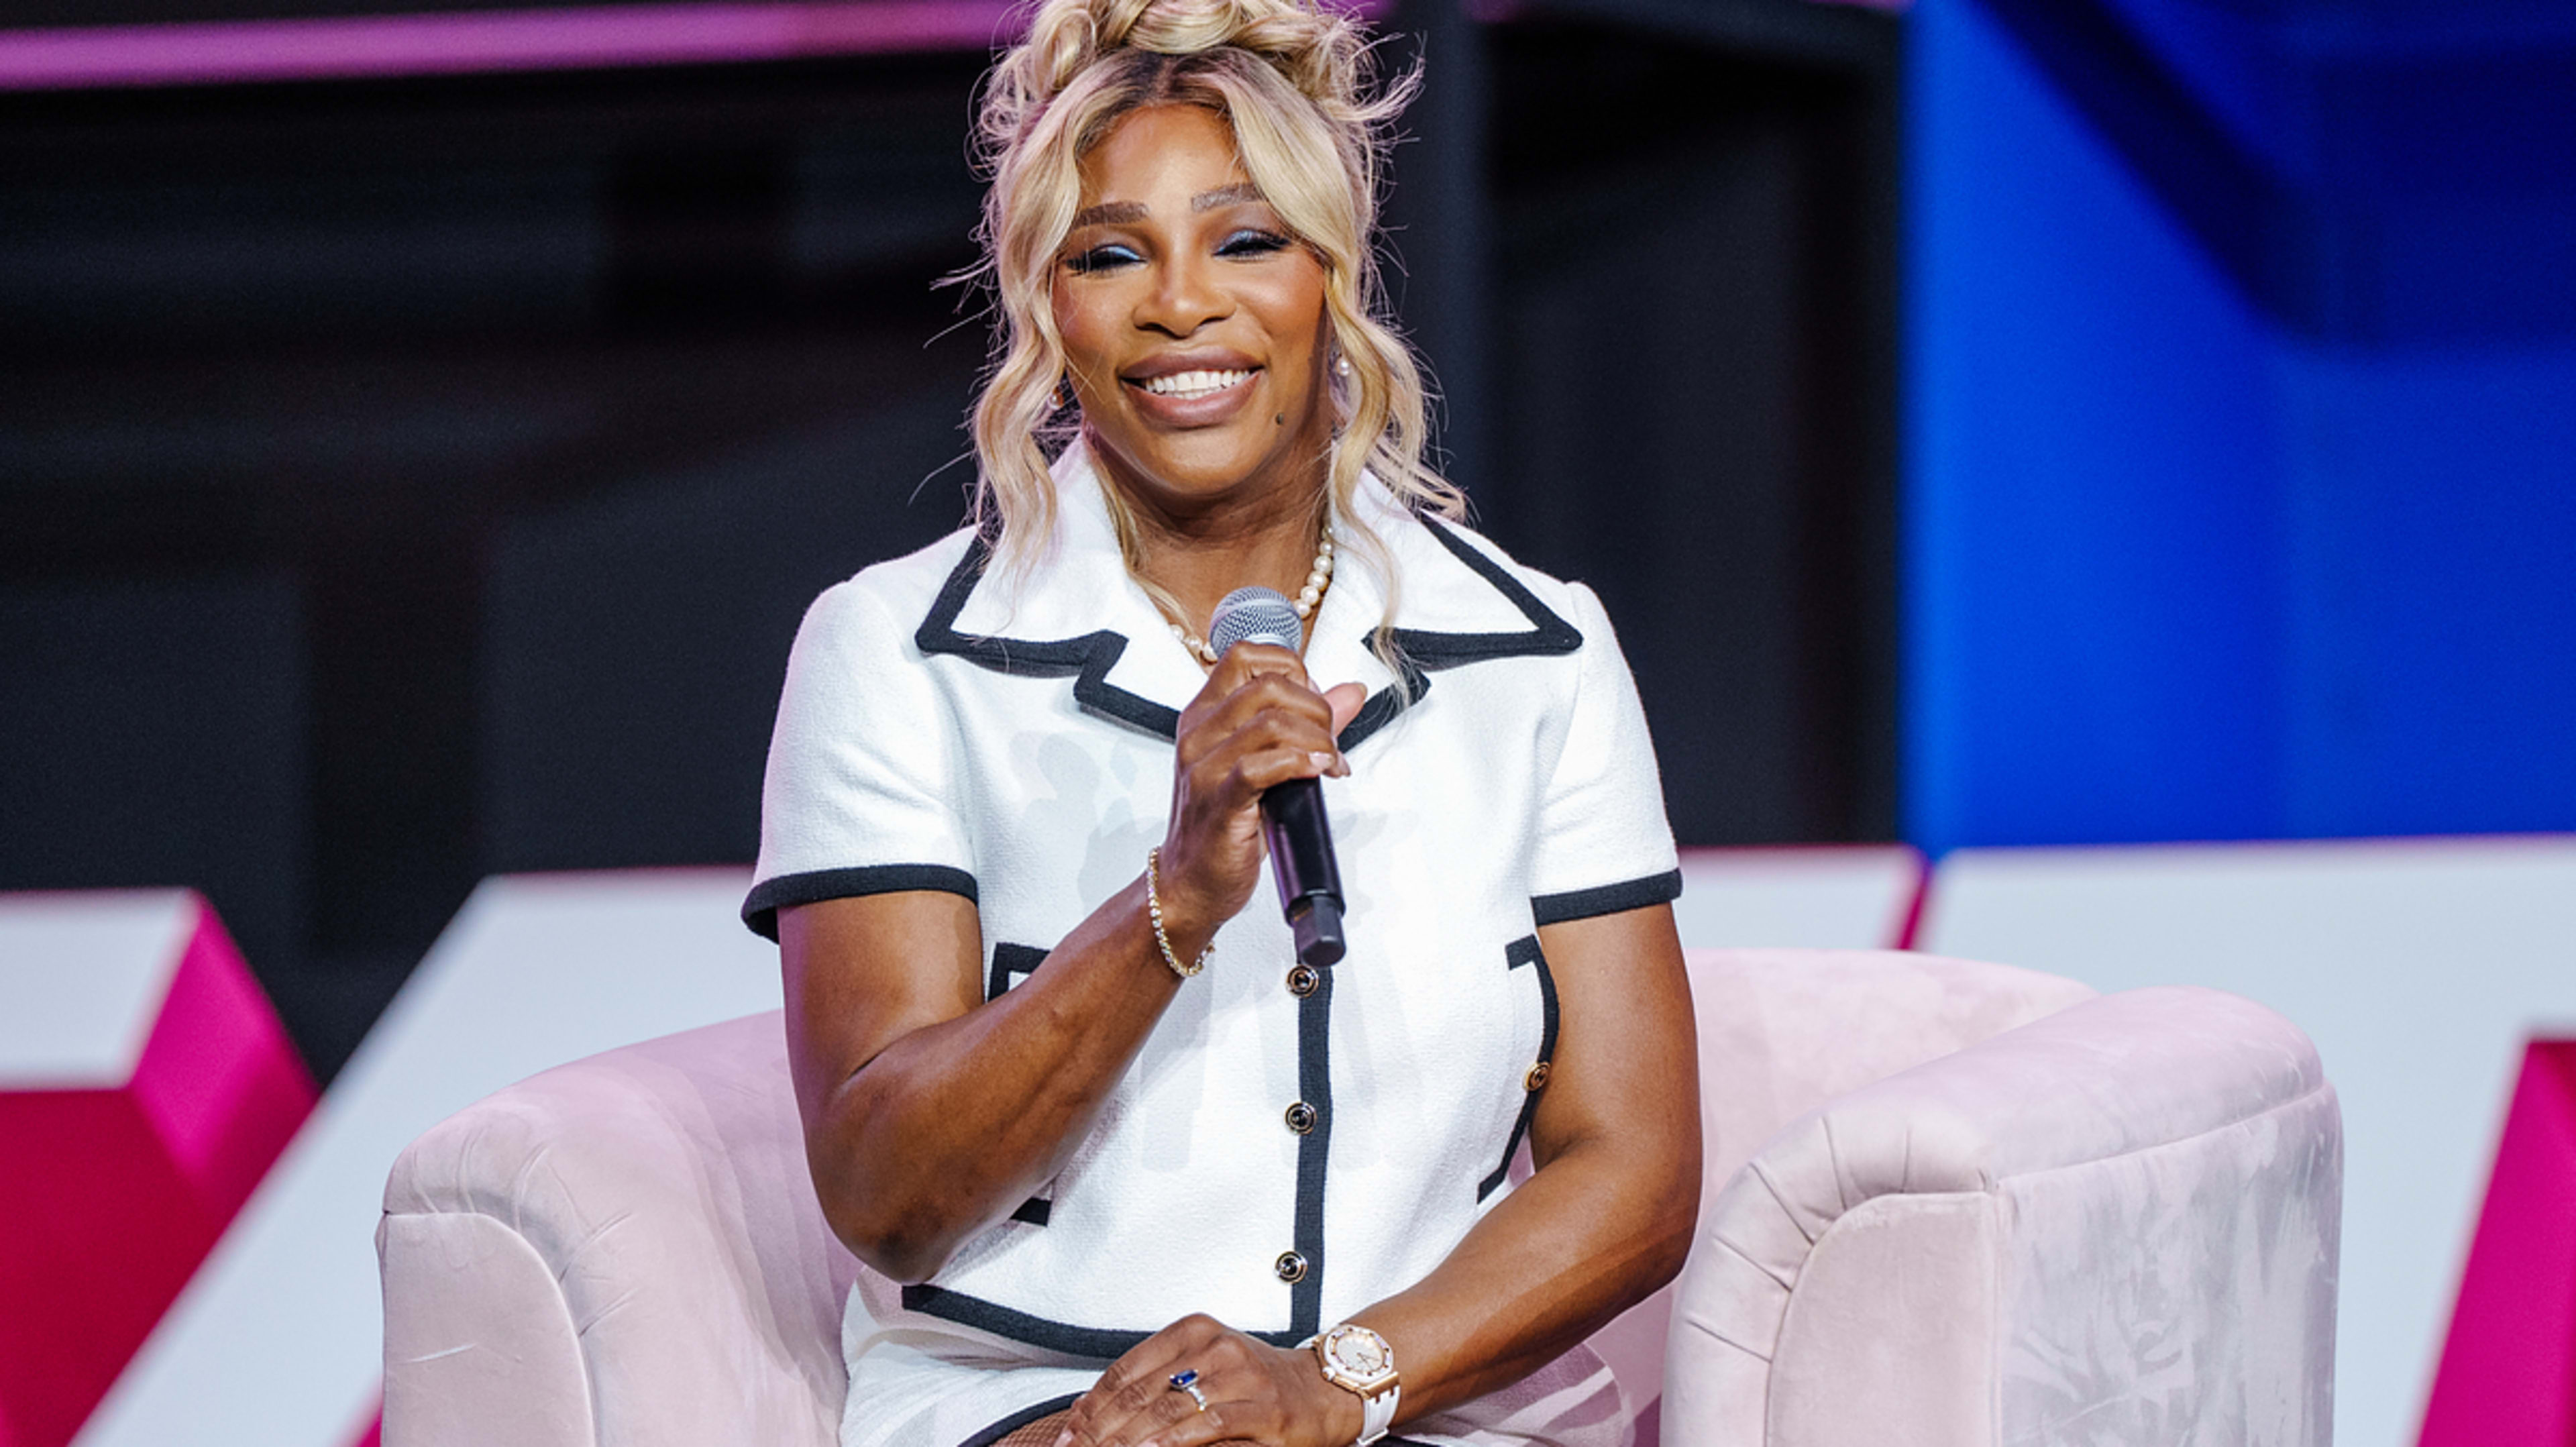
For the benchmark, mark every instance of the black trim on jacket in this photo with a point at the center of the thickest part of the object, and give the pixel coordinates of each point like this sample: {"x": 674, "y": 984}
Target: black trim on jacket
{"x": 1525, "y": 951}
{"x": 1099, "y": 1343}
{"x": 1627, "y": 894}
{"x": 1314, "y": 1156}
{"x": 1089, "y": 657}
{"x": 760, "y": 908}
{"x": 1009, "y": 960}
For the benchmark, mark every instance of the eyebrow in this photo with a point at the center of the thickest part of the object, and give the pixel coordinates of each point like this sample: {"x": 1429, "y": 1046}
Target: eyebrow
{"x": 1126, "y": 213}
{"x": 1109, "y": 213}
{"x": 1234, "y": 195}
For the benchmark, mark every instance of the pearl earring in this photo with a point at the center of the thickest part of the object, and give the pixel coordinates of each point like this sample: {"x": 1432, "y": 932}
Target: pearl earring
{"x": 1064, "y": 398}
{"x": 1342, "y": 366}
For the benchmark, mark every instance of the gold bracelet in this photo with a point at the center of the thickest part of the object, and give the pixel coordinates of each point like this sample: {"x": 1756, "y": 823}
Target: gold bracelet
{"x": 1154, "y": 912}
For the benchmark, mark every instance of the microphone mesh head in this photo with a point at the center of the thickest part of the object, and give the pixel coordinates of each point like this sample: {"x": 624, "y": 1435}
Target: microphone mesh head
{"x": 1255, "y": 615}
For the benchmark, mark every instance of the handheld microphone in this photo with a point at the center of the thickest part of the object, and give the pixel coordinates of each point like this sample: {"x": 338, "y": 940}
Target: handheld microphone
{"x": 1292, "y": 814}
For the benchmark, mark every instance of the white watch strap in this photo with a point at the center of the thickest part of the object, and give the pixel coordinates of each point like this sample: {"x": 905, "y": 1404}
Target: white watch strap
{"x": 1377, "y": 1414}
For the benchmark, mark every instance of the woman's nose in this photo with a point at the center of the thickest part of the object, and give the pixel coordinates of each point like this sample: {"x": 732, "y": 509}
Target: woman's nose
{"x": 1185, "y": 298}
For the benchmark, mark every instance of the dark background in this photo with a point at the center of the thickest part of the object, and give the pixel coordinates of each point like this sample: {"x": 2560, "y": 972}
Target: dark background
{"x": 404, "y": 482}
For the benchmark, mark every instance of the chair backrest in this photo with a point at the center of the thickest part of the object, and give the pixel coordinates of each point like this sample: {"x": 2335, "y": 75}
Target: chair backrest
{"x": 1783, "y": 1031}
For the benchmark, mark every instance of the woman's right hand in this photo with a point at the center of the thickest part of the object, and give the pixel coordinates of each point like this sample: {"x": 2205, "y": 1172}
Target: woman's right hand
{"x": 1259, "y": 722}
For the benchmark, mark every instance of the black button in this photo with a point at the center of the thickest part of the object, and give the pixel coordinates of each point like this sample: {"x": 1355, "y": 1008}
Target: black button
{"x": 1290, "y": 1266}
{"x": 1301, "y": 1117}
{"x": 1303, "y": 980}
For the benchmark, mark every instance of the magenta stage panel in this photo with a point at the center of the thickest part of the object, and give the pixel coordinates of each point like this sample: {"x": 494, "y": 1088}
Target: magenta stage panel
{"x": 2508, "y": 1374}
{"x": 145, "y": 1086}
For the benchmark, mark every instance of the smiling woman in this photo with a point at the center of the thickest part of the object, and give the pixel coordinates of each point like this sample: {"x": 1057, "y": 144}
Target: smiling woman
{"x": 1125, "y": 1170}
{"x": 1262, "y": 123}
{"x": 1192, "y": 326}
{"x": 1193, "y": 336}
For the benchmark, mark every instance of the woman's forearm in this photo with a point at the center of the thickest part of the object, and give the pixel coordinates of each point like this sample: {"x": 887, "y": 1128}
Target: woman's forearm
{"x": 930, "y": 1111}
{"x": 1590, "y": 1235}
{"x": 953, "y": 1123}
{"x": 1607, "y": 1217}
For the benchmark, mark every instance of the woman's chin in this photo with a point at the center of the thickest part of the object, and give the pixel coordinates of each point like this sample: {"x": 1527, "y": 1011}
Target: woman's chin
{"x": 1203, "y": 461}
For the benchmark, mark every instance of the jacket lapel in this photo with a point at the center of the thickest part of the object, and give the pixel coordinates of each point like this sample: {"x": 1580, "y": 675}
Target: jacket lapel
{"x": 1079, "y": 615}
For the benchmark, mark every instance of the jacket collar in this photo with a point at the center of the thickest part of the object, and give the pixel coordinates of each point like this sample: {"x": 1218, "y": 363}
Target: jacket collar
{"x": 1079, "y": 614}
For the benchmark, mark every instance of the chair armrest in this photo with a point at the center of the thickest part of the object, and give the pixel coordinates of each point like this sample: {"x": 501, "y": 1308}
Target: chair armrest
{"x": 625, "y": 1250}
{"x": 1781, "y": 1032}
{"x": 2127, "y": 1212}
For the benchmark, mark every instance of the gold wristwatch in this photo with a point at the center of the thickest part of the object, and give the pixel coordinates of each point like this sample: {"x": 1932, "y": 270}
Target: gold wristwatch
{"x": 1359, "y": 1361}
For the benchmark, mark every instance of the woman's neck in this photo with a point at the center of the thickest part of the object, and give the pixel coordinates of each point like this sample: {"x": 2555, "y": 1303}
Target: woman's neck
{"x": 1198, "y": 549}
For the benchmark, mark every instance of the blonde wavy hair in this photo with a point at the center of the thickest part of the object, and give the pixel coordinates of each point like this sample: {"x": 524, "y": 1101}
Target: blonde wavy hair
{"x": 1296, "y": 84}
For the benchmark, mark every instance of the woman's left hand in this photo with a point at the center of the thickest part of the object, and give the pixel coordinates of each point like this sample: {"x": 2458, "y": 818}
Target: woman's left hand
{"x": 1257, "y": 1393}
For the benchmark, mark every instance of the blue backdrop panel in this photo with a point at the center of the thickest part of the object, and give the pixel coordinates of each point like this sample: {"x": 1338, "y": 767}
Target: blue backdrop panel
{"x": 2433, "y": 674}
{"x": 2241, "y": 468}
{"x": 2093, "y": 539}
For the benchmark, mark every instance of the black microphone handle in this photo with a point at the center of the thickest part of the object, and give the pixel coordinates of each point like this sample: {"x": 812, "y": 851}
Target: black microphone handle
{"x": 1301, "y": 859}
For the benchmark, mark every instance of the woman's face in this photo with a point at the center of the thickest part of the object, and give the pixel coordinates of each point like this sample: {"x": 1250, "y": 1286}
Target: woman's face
{"x": 1193, "y": 322}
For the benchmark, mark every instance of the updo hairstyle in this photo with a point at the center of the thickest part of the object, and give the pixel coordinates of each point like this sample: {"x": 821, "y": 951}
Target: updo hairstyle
{"x": 1296, "y": 84}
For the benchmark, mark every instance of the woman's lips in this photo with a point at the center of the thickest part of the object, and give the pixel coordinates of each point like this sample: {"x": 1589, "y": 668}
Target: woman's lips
{"x": 1199, "y": 398}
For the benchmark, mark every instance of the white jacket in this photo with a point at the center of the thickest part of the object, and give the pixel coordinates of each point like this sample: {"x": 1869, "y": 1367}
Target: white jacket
{"x": 938, "y": 732}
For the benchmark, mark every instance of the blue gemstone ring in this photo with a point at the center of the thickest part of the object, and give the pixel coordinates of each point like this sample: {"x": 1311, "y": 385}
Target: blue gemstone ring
{"x": 1187, "y": 1380}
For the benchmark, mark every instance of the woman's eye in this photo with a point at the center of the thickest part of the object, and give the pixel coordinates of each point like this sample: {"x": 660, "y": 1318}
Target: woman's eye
{"x": 1100, "y": 258}
{"x": 1252, "y": 243}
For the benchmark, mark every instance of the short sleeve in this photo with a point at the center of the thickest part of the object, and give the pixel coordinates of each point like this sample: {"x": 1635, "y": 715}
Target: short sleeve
{"x": 859, "y": 797}
{"x": 1603, "y": 845}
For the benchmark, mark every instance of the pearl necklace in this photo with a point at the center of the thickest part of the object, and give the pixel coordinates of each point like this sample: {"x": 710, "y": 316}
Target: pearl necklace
{"x": 1309, "y": 598}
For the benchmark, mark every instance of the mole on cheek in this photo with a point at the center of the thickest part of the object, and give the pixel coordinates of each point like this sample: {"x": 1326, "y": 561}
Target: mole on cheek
{"x": 1279, "y": 421}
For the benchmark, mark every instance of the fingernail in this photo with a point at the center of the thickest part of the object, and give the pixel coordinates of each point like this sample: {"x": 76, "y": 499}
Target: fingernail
{"x": 1341, "y": 766}
{"x": 1064, "y": 1437}
{"x": 1324, "y": 763}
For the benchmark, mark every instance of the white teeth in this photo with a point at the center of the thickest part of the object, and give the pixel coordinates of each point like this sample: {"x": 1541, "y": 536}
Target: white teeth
{"x": 1193, "y": 384}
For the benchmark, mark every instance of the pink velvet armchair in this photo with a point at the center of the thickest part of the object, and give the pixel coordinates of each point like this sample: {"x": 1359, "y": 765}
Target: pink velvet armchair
{"x": 1946, "y": 1204}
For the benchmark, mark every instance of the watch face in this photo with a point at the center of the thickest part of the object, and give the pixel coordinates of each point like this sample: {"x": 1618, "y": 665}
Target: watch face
{"x": 1358, "y": 1351}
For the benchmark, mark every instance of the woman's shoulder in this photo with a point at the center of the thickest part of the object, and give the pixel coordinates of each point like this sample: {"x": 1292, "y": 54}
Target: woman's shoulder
{"x": 886, "y": 601}
{"x": 1456, "y": 579}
